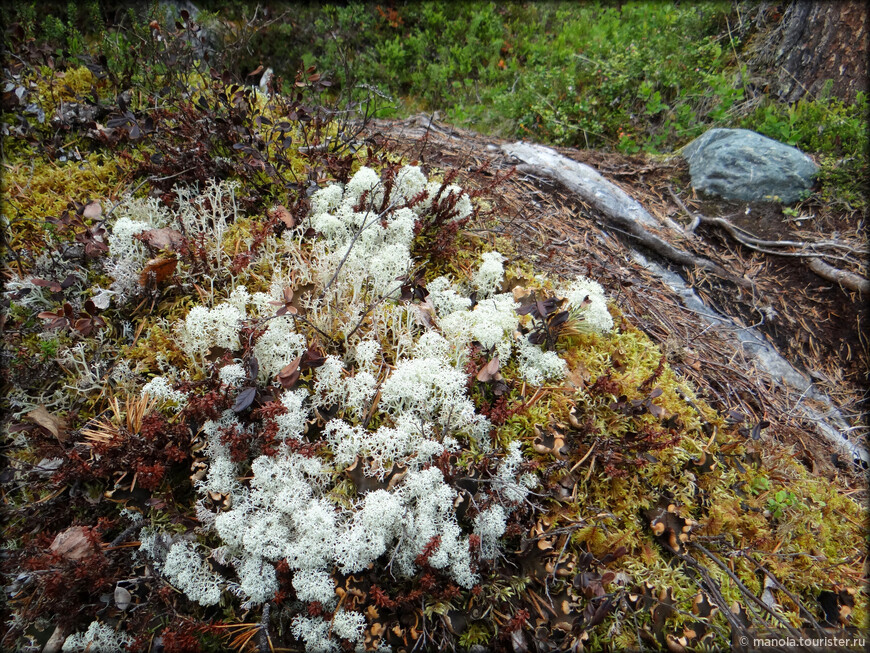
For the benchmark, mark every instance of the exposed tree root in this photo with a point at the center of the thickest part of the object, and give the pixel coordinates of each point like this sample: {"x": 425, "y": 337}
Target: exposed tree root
{"x": 815, "y": 263}
{"x": 845, "y": 278}
{"x": 621, "y": 211}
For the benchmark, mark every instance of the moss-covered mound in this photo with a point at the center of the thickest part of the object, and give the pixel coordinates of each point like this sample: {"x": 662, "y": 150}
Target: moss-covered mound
{"x": 265, "y": 388}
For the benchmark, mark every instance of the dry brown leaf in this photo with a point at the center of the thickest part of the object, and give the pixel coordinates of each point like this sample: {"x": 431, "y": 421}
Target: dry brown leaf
{"x": 489, "y": 372}
{"x": 426, "y": 312}
{"x": 73, "y": 543}
{"x": 281, "y": 212}
{"x": 161, "y": 267}
{"x": 123, "y": 598}
{"x": 164, "y": 238}
{"x": 289, "y": 374}
{"x": 51, "y": 423}
{"x": 578, "y": 377}
{"x": 93, "y": 210}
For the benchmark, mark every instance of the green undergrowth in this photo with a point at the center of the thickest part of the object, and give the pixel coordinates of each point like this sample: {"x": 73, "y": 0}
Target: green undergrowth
{"x": 642, "y": 76}
{"x": 638, "y": 77}
{"x": 261, "y": 381}
{"x": 835, "y": 131}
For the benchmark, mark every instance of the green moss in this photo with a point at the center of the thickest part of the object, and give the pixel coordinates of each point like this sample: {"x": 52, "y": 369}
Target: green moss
{"x": 35, "y": 189}
{"x": 155, "y": 344}
{"x": 70, "y": 85}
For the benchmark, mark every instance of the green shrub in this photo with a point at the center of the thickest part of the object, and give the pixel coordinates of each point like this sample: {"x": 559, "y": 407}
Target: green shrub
{"x": 829, "y": 127}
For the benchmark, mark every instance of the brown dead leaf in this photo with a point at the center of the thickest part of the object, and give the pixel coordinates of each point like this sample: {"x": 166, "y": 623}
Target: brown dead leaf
{"x": 426, "y": 312}
{"x": 161, "y": 267}
{"x": 289, "y": 374}
{"x": 51, "y": 423}
{"x": 281, "y": 212}
{"x": 520, "y": 294}
{"x": 489, "y": 372}
{"x": 165, "y": 238}
{"x": 92, "y": 210}
{"x": 578, "y": 377}
{"x": 73, "y": 543}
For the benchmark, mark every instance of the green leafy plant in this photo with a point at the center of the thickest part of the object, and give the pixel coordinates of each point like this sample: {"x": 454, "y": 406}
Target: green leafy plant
{"x": 780, "y": 502}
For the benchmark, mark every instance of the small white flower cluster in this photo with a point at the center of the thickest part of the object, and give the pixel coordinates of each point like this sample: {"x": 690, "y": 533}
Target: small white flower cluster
{"x": 444, "y": 298}
{"x": 222, "y": 474}
{"x": 232, "y": 374}
{"x": 209, "y": 213}
{"x": 329, "y": 384}
{"x": 127, "y": 256}
{"x": 122, "y": 244}
{"x": 430, "y": 389}
{"x": 314, "y": 585}
{"x": 431, "y": 514}
{"x": 410, "y": 182}
{"x": 490, "y": 274}
{"x": 349, "y": 625}
{"x": 367, "y": 244}
{"x": 133, "y": 217}
{"x": 491, "y": 522}
{"x": 293, "y": 423}
{"x": 277, "y": 347}
{"x": 189, "y": 572}
{"x": 408, "y": 445}
{"x": 98, "y": 638}
{"x": 370, "y": 245}
{"x": 365, "y": 354}
{"x": 586, "y": 298}
{"x": 505, "y": 482}
{"x": 432, "y": 345}
{"x": 204, "y": 328}
{"x": 490, "y": 525}
{"x": 314, "y": 631}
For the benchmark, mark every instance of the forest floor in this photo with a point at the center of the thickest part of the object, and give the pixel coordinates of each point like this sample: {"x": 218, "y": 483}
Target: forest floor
{"x": 815, "y": 324}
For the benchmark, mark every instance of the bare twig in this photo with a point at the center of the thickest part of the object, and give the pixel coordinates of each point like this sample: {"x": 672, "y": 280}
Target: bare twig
{"x": 807, "y": 614}
{"x": 745, "y": 590}
{"x": 264, "y": 642}
{"x": 365, "y": 225}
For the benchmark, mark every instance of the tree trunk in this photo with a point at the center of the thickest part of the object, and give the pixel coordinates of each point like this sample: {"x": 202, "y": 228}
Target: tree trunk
{"x": 812, "y": 42}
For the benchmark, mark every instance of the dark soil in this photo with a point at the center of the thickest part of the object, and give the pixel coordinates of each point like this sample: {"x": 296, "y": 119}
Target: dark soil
{"x": 817, "y": 324}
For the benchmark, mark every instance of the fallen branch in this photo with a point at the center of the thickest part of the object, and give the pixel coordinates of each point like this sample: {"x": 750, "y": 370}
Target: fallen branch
{"x": 745, "y": 591}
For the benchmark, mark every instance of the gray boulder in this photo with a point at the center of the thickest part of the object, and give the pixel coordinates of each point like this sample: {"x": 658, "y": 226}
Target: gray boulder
{"x": 738, "y": 164}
